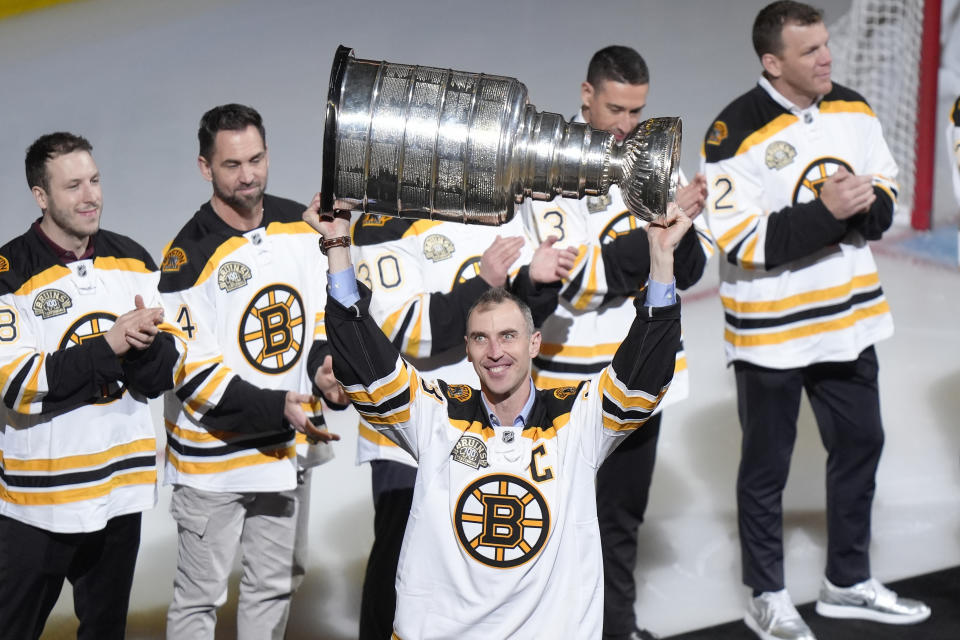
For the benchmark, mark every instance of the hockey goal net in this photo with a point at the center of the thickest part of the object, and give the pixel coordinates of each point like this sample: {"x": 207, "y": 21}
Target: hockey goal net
{"x": 888, "y": 50}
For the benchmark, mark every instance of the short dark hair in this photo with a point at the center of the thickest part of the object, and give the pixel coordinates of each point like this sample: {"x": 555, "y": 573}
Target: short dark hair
{"x": 499, "y": 295}
{"x": 227, "y": 117}
{"x": 617, "y": 63}
{"x": 48, "y": 147}
{"x": 768, "y": 26}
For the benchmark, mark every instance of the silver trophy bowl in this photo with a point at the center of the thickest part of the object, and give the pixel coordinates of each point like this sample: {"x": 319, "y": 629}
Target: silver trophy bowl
{"x": 425, "y": 142}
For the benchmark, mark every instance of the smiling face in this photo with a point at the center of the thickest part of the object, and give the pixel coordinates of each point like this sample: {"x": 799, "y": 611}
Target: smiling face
{"x": 614, "y": 106}
{"x": 801, "y": 72}
{"x": 501, "y": 348}
{"x": 71, "y": 199}
{"x": 237, "y": 168}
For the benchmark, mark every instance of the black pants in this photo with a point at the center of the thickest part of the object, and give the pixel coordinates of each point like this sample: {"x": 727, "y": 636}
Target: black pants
{"x": 34, "y": 563}
{"x": 393, "y": 484}
{"x": 623, "y": 489}
{"x": 845, "y": 401}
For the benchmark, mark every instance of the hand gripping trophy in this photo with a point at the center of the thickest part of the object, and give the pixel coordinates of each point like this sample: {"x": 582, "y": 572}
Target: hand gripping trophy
{"x": 424, "y": 142}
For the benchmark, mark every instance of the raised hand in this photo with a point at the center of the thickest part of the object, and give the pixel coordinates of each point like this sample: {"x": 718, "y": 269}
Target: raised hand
{"x": 845, "y": 194}
{"x": 294, "y": 414}
{"x": 692, "y": 197}
{"x": 664, "y": 235}
{"x": 496, "y": 260}
{"x": 549, "y": 264}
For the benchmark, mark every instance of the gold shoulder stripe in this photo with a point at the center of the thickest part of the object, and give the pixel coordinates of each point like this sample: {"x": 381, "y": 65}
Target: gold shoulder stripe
{"x": 110, "y": 263}
{"x": 421, "y": 226}
{"x": 846, "y": 106}
{"x": 43, "y": 279}
{"x": 222, "y": 252}
{"x": 276, "y": 228}
{"x": 769, "y": 130}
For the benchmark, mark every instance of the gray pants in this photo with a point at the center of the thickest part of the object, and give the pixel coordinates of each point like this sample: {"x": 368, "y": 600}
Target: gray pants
{"x": 269, "y": 530}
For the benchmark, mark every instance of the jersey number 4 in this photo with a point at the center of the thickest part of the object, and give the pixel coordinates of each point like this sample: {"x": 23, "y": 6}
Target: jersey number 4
{"x": 186, "y": 324}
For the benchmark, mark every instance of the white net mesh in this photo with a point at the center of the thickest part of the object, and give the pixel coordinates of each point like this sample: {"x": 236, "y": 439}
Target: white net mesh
{"x": 876, "y": 52}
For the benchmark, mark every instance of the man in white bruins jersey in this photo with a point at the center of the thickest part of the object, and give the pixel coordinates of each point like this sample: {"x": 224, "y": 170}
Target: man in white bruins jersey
{"x": 502, "y": 540}
{"x": 79, "y": 356}
{"x": 596, "y": 308}
{"x": 240, "y": 280}
{"x": 800, "y": 179}
{"x": 424, "y": 275}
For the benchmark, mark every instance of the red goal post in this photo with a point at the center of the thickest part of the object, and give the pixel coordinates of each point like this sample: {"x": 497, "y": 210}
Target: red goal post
{"x": 889, "y": 50}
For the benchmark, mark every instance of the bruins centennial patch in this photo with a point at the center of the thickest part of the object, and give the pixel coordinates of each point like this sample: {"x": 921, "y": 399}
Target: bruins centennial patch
{"x": 233, "y": 275}
{"x": 779, "y": 154}
{"x": 50, "y": 303}
{"x": 596, "y": 204}
{"x": 173, "y": 260}
{"x": 502, "y": 520}
{"x": 4, "y": 264}
{"x": 471, "y": 451}
{"x": 718, "y": 133}
{"x": 437, "y": 247}
{"x": 459, "y": 392}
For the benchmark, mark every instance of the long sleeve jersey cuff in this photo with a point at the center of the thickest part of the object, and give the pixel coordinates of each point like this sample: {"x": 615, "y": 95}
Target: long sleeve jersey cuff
{"x": 661, "y": 295}
{"x": 342, "y": 285}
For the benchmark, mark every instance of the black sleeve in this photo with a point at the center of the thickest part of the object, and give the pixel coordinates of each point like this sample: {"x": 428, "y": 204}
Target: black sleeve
{"x": 448, "y": 313}
{"x": 244, "y": 408}
{"x": 626, "y": 262}
{"x": 319, "y": 350}
{"x": 76, "y": 375}
{"x": 689, "y": 260}
{"x": 799, "y": 231}
{"x": 878, "y": 219}
{"x": 150, "y": 371}
{"x": 542, "y": 298}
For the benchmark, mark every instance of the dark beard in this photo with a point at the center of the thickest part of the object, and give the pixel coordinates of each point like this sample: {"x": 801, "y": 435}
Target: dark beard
{"x": 240, "y": 203}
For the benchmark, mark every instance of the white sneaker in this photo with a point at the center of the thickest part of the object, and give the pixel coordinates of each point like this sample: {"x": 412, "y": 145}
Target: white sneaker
{"x": 869, "y": 600}
{"x": 772, "y": 616}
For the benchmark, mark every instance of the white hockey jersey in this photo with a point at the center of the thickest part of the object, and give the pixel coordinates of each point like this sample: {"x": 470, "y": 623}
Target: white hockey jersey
{"x": 251, "y": 306}
{"x": 502, "y": 540}
{"x": 953, "y": 140}
{"x": 77, "y": 441}
{"x": 412, "y": 268}
{"x": 797, "y": 285}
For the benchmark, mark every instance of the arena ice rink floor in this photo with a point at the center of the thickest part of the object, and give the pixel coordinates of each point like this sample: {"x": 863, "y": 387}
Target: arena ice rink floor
{"x": 135, "y": 76}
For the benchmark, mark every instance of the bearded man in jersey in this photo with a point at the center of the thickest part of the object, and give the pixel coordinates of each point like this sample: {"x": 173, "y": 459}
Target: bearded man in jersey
{"x": 800, "y": 179}
{"x": 238, "y": 279}
{"x": 502, "y": 539}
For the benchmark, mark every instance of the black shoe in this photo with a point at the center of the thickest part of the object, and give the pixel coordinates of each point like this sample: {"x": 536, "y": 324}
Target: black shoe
{"x": 643, "y": 634}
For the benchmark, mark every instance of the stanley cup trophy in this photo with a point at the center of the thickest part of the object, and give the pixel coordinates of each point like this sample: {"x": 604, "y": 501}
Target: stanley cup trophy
{"x": 424, "y": 142}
